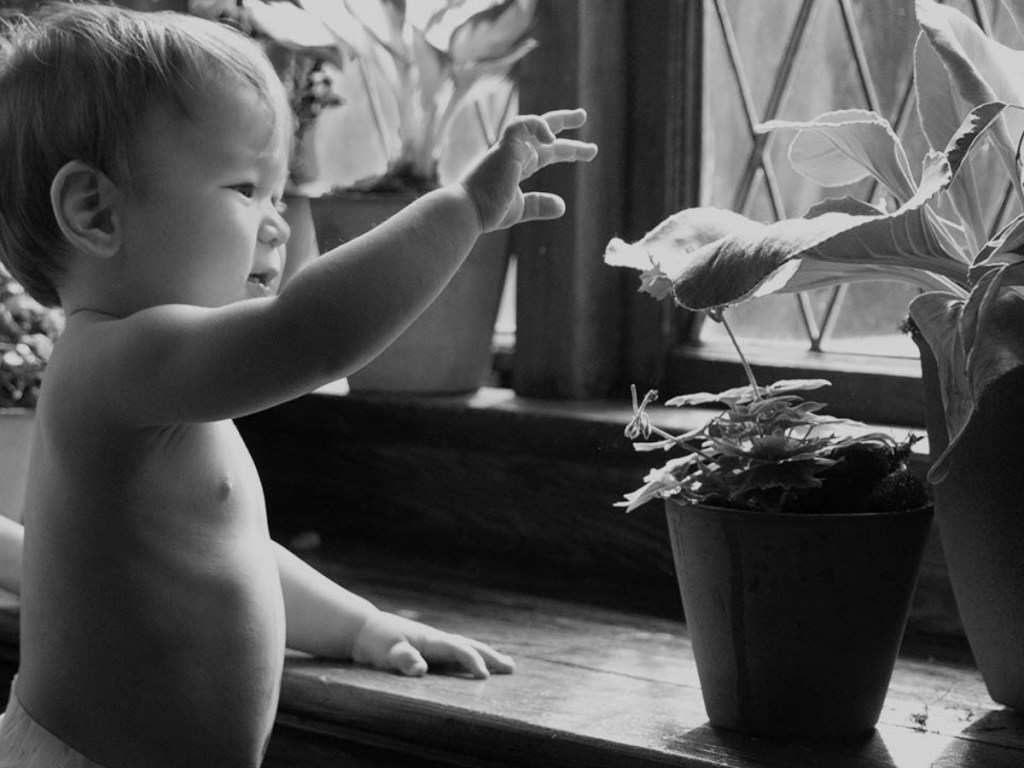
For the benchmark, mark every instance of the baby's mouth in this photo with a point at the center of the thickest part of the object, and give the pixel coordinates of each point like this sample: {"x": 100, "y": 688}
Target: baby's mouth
{"x": 262, "y": 283}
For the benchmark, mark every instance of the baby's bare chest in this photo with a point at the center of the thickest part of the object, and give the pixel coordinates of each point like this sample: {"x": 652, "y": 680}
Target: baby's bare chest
{"x": 187, "y": 497}
{"x": 206, "y": 466}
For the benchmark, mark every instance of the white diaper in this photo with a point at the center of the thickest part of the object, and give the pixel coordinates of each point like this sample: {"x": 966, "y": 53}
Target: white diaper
{"x": 26, "y": 744}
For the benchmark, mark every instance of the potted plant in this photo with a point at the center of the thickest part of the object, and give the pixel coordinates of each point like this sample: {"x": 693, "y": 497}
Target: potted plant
{"x": 27, "y": 333}
{"x": 425, "y": 88}
{"x": 969, "y": 320}
{"x": 796, "y": 548}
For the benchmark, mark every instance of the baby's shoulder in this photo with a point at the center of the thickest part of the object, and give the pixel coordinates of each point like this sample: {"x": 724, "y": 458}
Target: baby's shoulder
{"x": 82, "y": 380}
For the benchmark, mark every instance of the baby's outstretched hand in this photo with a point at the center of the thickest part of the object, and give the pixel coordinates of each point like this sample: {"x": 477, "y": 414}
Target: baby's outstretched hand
{"x": 391, "y": 642}
{"x": 527, "y": 144}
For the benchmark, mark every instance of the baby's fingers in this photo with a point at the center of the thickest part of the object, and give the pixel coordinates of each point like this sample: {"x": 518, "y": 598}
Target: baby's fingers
{"x": 565, "y": 151}
{"x": 540, "y": 206}
{"x": 497, "y": 662}
{"x": 475, "y": 657}
{"x": 559, "y": 120}
{"x": 403, "y": 657}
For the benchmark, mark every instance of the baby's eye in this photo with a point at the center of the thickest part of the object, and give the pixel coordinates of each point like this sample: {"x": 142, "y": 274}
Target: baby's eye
{"x": 246, "y": 190}
{"x": 280, "y": 206}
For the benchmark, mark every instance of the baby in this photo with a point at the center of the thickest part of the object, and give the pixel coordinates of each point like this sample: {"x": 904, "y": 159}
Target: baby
{"x": 145, "y": 157}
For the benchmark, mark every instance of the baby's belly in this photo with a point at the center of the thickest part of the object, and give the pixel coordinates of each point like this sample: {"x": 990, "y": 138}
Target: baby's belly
{"x": 193, "y": 682}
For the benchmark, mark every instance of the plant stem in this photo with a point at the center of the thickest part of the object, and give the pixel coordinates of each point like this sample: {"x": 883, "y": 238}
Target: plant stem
{"x": 720, "y": 317}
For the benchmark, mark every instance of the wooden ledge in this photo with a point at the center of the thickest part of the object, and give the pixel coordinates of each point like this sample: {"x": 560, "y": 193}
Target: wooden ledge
{"x": 593, "y": 687}
{"x": 598, "y": 688}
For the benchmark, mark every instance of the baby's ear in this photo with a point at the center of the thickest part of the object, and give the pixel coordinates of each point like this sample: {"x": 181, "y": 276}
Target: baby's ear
{"x": 83, "y": 200}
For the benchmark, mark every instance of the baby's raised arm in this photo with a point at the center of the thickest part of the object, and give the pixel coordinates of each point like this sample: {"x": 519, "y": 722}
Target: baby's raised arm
{"x": 181, "y": 363}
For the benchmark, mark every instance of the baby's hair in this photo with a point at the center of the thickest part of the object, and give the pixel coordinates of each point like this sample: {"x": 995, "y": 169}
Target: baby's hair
{"x": 77, "y": 81}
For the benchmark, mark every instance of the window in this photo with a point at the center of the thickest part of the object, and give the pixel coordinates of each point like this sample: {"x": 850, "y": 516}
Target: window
{"x": 795, "y": 59}
{"x": 693, "y": 79}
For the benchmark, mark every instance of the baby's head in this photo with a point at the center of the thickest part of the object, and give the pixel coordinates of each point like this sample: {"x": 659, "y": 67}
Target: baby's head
{"x": 77, "y": 82}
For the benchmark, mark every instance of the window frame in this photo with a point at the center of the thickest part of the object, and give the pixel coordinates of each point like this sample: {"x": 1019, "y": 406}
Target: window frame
{"x": 583, "y": 331}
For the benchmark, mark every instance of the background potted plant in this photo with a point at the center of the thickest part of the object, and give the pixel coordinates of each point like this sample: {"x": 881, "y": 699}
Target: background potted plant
{"x": 27, "y": 333}
{"x": 969, "y": 321}
{"x": 424, "y": 89}
{"x": 796, "y": 550}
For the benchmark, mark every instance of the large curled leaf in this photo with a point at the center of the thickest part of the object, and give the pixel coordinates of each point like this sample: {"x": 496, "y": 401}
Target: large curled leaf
{"x": 666, "y": 248}
{"x": 844, "y": 247}
{"x": 847, "y": 240}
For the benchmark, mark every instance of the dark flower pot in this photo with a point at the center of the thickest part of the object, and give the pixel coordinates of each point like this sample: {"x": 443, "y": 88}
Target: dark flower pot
{"x": 979, "y": 509}
{"x": 795, "y": 620}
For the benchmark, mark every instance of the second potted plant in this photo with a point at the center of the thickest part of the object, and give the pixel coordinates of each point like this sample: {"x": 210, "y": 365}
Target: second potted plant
{"x": 796, "y": 550}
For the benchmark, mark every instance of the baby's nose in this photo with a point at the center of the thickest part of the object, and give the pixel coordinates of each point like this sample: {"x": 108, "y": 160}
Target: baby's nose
{"x": 274, "y": 231}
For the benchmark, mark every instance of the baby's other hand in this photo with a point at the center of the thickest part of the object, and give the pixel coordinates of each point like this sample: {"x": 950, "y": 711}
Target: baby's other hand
{"x": 391, "y": 642}
{"x": 526, "y": 145}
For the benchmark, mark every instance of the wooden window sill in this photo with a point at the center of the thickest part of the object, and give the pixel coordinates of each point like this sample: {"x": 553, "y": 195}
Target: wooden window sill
{"x": 595, "y": 687}
{"x": 592, "y": 687}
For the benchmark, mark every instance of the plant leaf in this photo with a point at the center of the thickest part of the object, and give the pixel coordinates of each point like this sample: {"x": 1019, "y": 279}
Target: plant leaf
{"x": 799, "y": 473}
{"x": 974, "y": 341}
{"x": 994, "y": 327}
{"x": 738, "y": 267}
{"x": 842, "y": 147}
{"x": 746, "y": 394}
{"x": 1016, "y": 15}
{"x": 1006, "y": 247}
{"x": 481, "y": 30}
{"x": 751, "y": 259}
{"x": 382, "y": 22}
{"x": 295, "y": 28}
{"x": 659, "y": 483}
{"x": 939, "y": 110}
{"x": 939, "y": 105}
{"x": 937, "y": 316}
{"x": 981, "y": 69}
{"x": 667, "y": 247}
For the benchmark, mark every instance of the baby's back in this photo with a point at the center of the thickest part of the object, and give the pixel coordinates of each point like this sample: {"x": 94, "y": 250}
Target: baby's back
{"x": 152, "y": 620}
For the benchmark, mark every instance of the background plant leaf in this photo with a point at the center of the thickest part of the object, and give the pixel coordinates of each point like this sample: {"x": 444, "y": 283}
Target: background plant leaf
{"x": 981, "y": 69}
{"x": 842, "y": 147}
